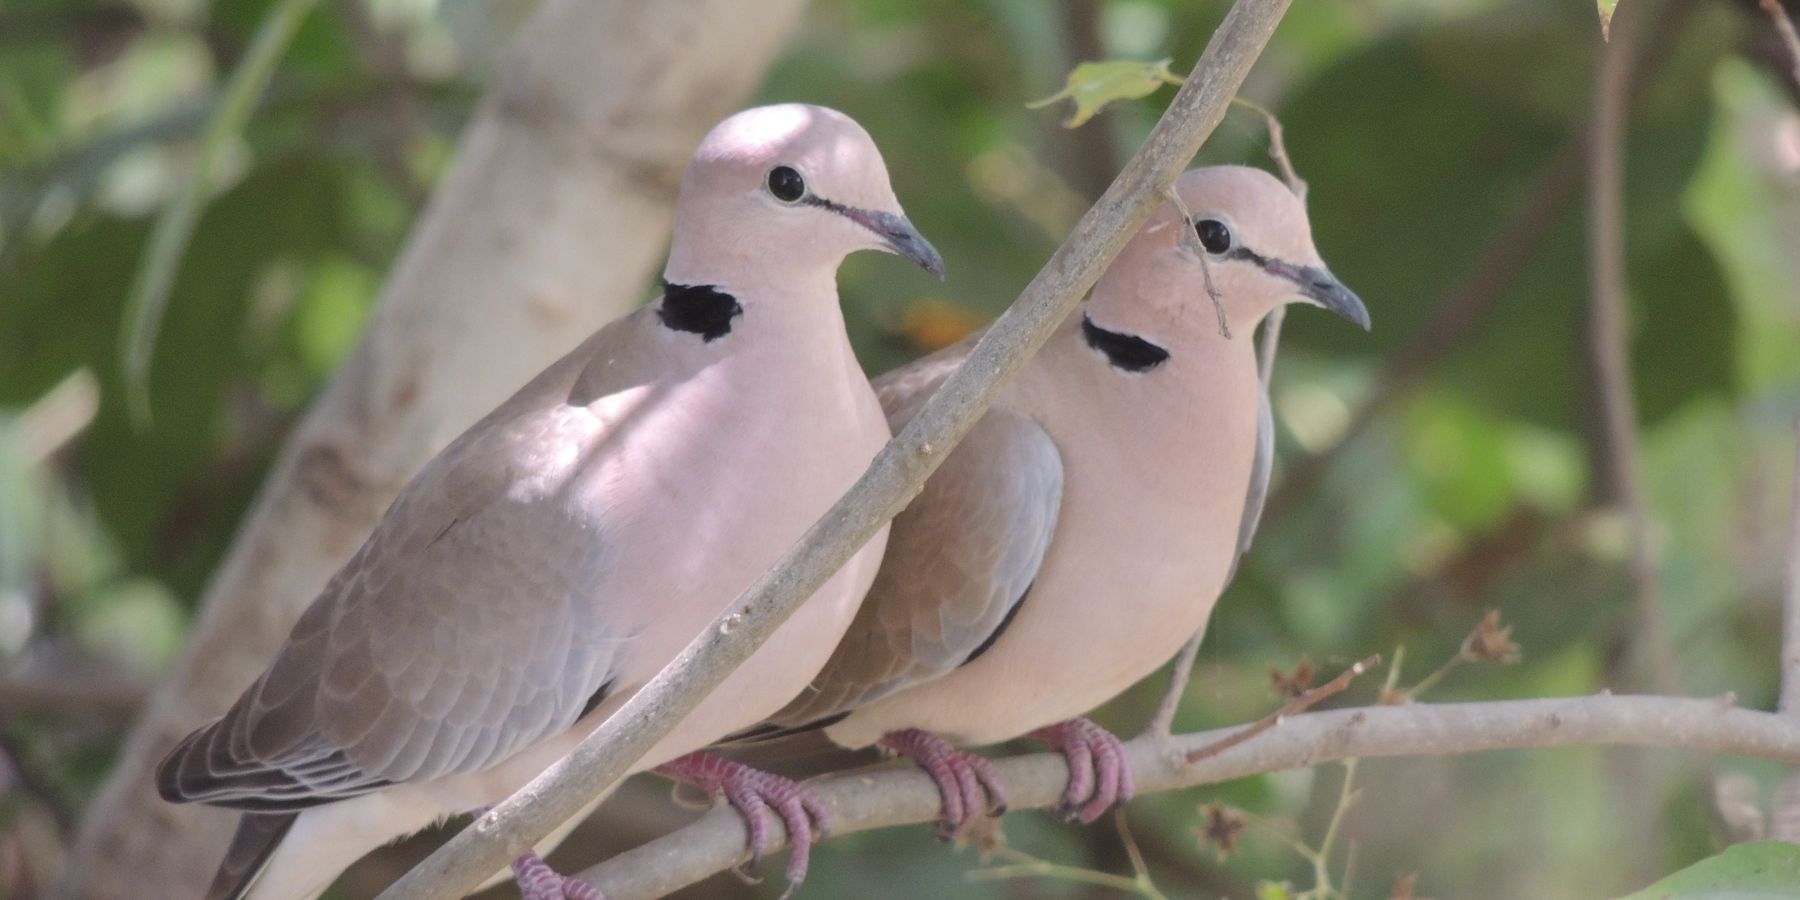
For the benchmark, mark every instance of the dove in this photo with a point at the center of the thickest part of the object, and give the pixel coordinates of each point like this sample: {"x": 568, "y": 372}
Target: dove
{"x": 1083, "y": 530}
{"x": 550, "y": 560}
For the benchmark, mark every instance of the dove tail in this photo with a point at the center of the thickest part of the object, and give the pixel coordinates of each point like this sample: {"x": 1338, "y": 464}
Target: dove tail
{"x": 258, "y": 834}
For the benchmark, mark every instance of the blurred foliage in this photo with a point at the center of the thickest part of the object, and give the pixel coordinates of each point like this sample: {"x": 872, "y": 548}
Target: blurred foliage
{"x": 1466, "y": 485}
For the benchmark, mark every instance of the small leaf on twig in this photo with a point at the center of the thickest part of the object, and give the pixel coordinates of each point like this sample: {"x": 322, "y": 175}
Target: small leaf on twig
{"x": 1093, "y": 85}
{"x": 1223, "y": 825}
{"x": 1606, "y": 14}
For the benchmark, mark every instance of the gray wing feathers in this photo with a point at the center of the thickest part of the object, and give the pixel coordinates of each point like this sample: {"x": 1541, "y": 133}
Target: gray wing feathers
{"x": 461, "y": 632}
{"x": 959, "y": 558}
{"x": 1259, "y": 476}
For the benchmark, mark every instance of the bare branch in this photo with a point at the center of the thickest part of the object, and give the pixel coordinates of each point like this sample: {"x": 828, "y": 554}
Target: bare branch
{"x": 1293, "y": 707}
{"x": 1784, "y": 26}
{"x": 1790, "y": 603}
{"x": 860, "y": 801}
{"x": 100, "y": 696}
{"x": 892, "y": 480}
{"x": 1609, "y": 338}
{"x": 1786, "y": 824}
{"x": 1475, "y": 295}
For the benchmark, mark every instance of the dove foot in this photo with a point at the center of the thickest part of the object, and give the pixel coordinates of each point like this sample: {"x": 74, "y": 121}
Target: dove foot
{"x": 966, "y": 782}
{"x": 537, "y": 881}
{"x": 1099, "y": 776}
{"x": 751, "y": 791}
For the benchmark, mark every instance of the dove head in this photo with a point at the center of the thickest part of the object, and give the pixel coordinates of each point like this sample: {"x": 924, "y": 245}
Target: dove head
{"x": 1251, "y": 232}
{"x": 782, "y": 194}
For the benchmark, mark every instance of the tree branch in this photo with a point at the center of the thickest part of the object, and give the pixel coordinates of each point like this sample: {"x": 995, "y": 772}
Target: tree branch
{"x": 1790, "y": 602}
{"x": 1786, "y": 813}
{"x": 1609, "y": 337}
{"x": 1784, "y": 27}
{"x": 1474, "y": 296}
{"x": 891, "y": 481}
{"x": 861, "y": 801}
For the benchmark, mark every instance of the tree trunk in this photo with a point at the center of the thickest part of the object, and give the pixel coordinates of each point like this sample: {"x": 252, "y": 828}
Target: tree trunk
{"x": 551, "y": 222}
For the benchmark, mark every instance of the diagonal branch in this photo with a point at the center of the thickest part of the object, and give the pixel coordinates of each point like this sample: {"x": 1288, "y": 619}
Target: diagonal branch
{"x": 892, "y": 480}
{"x": 865, "y": 800}
{"x": 1293, "y": 707}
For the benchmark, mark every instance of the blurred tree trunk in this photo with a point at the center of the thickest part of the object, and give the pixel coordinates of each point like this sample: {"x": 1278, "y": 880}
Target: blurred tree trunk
{"x": 550, "y": 222}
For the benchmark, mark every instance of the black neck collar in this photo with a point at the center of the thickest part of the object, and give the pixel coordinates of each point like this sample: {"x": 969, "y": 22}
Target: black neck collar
{"x": 702, "y": 309}
{"x": 1125, "y": 351}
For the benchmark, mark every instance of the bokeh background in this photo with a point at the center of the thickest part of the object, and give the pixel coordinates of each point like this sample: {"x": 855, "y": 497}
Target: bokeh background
{"x": 1443, "y": 466}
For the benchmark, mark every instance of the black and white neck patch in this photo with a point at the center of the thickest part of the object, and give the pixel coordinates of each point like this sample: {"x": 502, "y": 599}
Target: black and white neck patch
{"x": 1125, "y": 351}
{"x": 698, "y": 308}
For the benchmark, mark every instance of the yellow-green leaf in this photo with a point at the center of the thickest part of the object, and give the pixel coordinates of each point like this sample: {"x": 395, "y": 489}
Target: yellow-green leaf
{"x": 1093, "y": 85}
{"x": 1606, "y": 13}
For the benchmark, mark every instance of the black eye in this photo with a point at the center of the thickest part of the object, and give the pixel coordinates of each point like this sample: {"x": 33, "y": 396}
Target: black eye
{"x": 786, "y": 184}
{"x": 1214, "y": 235}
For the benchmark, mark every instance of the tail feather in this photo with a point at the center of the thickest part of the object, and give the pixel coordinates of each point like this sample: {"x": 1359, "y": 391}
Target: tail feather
{"x": 258, "y": 834}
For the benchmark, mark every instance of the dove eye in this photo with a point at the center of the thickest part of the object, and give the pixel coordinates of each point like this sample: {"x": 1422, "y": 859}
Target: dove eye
{"x": 786, "y": 184}
{"x": 1214, "y": 235}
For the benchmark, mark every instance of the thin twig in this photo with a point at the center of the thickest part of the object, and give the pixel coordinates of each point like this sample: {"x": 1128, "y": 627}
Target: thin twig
{"x": 864, "y": 800}
{"x": 607, "y": 754}
{"x": 1192, "y": 237}
{"x": 1474, "y": 296}
{"x": 1610, "y": 339}
{"x": 1293, "y": 707}
{"x": 1784, "y": 26}
{"x": 1277, "y": 147}
{"x": 1024, "y": 865}
{"x": 168, "y": 243}
{"x": 1790, "y": 602}
{"x": 1785, "y": 818}
{"x": 1347, "y": 797}
{"x": 99, "y": 696}
{"x": 1162, "y": 721}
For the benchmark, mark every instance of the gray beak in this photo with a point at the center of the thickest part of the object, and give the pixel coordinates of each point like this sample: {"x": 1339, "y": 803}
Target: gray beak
{"x": 1316, "y": 285}
{"x": 1320, "y": 287}
{"x": 898, "y": 236}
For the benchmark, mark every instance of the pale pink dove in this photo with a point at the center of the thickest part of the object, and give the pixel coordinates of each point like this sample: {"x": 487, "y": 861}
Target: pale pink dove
{"x": 546, "y": 564}
{"x": 1083, "y": 530}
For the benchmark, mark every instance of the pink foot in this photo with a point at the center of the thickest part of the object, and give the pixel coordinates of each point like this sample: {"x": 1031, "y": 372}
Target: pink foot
{"x": 966, "y": 782}
{"x": 1098, "y": 774}
{"x": 537, "y": 881}
{"x": 751, "y": 791}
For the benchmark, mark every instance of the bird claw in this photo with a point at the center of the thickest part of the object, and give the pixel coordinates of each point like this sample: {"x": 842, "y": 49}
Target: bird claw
{"x": 1099, "y": 776}
{"x": 752, "y": 792}
{"x": 537, "y": 881}
{"x": 966, "y": 782}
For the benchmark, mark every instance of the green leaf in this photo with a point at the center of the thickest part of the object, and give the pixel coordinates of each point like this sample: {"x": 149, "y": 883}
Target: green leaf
{"x": 168, "y": 244}
{"x": 1606, "y": 13}
{"x": 1093, "y": 85}
{"x": 1271, "y": 890}
{"x": 1768, "y": 869}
